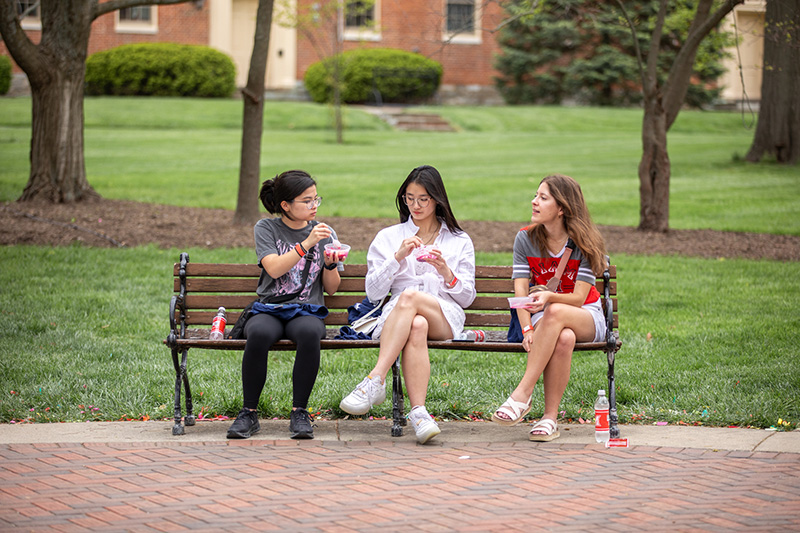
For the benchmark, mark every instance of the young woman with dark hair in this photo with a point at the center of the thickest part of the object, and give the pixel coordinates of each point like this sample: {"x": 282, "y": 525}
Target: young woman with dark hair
{"x": 555, "y": 320}
{"x": 428, "y": 293}
{"x": 294, "y": 273}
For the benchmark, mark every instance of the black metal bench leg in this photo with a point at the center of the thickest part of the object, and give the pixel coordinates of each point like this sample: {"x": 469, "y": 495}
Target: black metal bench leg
{"x": 177, "y": 428}
{"x": 613, "y": 419}
{"x": 189, "y": 419}
{"x": 398, "y": 419}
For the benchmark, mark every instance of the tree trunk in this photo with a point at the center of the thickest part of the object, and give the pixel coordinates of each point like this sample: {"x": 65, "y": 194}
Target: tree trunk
{"x": 654, "y": 169}
{"x": 662, "y": 103}
{"x": 57, "y": 121}
{"x": 253, "y": 121}
{"x": 56, "y": 71}
{"x": 778, "y": 130}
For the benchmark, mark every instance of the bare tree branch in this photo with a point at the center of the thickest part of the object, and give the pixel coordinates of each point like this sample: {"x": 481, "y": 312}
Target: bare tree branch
{"x": 25, "y": 53}
{"x": 651, "y": 83}
{"x": 635, "y": 41}
{"x": 113, "y": 5}
{"x": 680, "y": 73}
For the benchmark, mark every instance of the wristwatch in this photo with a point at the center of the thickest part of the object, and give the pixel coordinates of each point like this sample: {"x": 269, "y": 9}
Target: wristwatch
{"x": 331, "y": 266}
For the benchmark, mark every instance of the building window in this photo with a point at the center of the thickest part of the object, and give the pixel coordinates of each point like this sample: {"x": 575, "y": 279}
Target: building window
{"x": 28, "y": 12}
{"x": 462, "y": 21}
{"x": 461, "y": 16}
{"x": 360, "y": 20}
{"x": 142, "y": 19}
{"x": 359, "y": 14}
{"x": 138, "y": 14}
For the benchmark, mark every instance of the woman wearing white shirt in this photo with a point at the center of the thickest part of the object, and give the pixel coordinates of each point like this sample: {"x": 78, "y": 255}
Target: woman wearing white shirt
{"x": 429, "y": 292}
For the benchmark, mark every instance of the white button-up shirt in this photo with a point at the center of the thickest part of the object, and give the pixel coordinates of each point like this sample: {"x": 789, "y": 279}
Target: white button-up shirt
{"x": 385, "y": 274}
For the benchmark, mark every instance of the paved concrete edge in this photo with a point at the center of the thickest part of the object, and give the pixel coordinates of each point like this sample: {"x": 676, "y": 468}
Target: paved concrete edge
{"x": 374, "y": 431}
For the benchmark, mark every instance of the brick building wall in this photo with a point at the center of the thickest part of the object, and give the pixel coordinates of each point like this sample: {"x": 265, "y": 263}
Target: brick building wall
{"x": 419, "y": 26}
{"x": 182, "y": 23}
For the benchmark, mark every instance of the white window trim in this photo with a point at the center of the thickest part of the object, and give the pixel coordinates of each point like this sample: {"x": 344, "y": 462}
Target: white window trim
{"x": 31, "y": 23}
{"x": 355, "y": 33}
{"x": 474, "y": 37}
{"x": 127, "y": 26}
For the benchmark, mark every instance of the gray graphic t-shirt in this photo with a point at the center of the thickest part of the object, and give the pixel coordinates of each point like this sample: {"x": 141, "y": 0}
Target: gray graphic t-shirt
{"x": 272, "y": 236}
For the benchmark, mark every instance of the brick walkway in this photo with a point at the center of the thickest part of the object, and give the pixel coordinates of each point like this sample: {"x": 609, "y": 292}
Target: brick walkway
{"x": 336, "y": 486}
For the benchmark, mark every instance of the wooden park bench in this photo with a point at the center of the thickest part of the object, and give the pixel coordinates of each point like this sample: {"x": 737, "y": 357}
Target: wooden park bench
{"x": 201, "y": 288}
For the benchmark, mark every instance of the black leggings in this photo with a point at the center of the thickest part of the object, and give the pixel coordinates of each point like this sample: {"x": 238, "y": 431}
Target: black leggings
{"x": 262, "y": 331}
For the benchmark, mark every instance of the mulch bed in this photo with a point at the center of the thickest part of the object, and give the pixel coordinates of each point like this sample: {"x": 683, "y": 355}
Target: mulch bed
{"x": 111, "y": 223}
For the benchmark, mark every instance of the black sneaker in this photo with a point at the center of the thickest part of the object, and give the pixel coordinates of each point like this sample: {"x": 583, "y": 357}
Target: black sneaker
{"x": 300, "y": 424}
{"x": 245, "y": 425}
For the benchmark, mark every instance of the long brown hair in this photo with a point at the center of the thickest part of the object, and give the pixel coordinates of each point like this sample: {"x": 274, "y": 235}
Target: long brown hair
{"x": 577, "y": 221}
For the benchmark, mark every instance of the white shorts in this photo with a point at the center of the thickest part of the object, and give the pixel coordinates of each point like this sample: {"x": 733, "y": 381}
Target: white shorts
{"x": 598, "y": 315}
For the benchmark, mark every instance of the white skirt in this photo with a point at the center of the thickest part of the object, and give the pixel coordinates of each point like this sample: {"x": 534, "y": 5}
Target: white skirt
{"x": 599, "y": 317}
{"x": 452, "y": 312}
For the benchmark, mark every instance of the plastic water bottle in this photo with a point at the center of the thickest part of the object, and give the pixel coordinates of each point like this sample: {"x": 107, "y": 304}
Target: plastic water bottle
{"x": 601, "y": 428}
{"x": 472, "y": 335}
{"x": 218, "y": 325}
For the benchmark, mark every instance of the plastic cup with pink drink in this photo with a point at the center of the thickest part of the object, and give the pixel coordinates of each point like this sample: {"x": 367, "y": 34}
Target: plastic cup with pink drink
{"x": 423, "y": 253}
{"x": 518, "y": 302}
{"x": 338, "y": 248}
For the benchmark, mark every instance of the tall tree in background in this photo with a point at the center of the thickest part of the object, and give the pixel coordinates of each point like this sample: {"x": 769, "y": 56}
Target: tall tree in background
{"x": 56, "y": 68}
{"x": 778, "y": 130}
{"x": 322, "y": 24}
{"x": 663, "y": 99}
{"x": 253, "y": 121}
{"x": 583, "y": 50}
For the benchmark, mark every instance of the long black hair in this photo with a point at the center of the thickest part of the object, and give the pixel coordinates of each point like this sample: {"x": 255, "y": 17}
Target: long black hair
{"x": 429, "y": 178}
{"x": 284, "y": 187}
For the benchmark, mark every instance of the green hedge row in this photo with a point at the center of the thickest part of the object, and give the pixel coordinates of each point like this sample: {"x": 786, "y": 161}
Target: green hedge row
{"x": 160, "y": 69}
{"x": 398, "y": 75}
{"x": 5, "y": 74}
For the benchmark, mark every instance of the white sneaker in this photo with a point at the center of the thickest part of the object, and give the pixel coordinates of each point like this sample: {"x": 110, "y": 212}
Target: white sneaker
{"x": 366, "y": 394}
{"x": 424, "y": 425}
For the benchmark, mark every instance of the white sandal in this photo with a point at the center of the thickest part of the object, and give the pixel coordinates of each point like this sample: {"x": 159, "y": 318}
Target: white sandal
{"x": 514, "y": 410}
{"x": 549, "y": 429}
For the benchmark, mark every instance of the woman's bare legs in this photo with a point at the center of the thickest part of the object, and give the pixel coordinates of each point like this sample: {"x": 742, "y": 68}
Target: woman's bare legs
{"x": 553, "y": 340}
{"x": 415, "y": 318}
{"x": 416, "y": 362}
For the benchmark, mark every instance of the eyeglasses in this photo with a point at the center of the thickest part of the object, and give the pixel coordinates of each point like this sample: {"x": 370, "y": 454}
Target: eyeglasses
{"x": 421, "y": 201}
{"x": 311, "y": 204}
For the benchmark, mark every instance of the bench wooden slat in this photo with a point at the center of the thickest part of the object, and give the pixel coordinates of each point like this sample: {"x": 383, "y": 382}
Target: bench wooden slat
{"x": 198, "y": 338}
{"x": 234, "y": 270}
{"x": 249, "y": 285}
{"x": 249, "y": 270}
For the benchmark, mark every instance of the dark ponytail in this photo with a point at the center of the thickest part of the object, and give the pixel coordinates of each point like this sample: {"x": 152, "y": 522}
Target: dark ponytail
{"x": 284, "y": 187}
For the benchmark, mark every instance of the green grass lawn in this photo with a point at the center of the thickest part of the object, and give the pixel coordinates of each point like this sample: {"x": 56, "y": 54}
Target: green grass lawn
{"x": 186, "y": 152}
{"x": 705, "y": 341}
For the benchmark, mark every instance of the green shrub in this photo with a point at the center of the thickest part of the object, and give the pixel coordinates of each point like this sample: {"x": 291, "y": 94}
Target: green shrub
{"x": 401, "y": 76}
{"x": 160, "y": 69}
{"x": 5, "y": 74}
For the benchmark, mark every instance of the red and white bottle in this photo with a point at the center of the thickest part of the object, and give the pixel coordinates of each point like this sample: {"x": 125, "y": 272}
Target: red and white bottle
{"x": 218, "y": 325}
{"x": 472, "y": 335}
{"x": 601, "y": 427}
